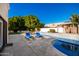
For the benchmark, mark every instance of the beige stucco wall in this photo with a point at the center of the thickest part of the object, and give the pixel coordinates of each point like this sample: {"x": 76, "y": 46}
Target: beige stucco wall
{"x": 4, "y": 7}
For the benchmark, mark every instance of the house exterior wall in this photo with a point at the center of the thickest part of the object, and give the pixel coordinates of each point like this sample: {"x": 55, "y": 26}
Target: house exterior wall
{"x": 4, "y": 8}
{"x": 58, "y": 29}
{"x": 62, "y": 28}
{"x": 47, "y": 29}
{"x": 71, "y": 29}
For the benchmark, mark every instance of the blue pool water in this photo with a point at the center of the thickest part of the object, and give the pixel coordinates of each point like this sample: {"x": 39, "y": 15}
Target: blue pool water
{"x": 65, "y": 47}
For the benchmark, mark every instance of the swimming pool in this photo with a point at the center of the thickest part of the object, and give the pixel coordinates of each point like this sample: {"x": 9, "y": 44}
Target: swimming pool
{"x": 67, "y": 47}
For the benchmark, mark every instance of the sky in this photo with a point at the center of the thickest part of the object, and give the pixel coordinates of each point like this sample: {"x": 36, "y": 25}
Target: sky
{"x": 46, "y": 12}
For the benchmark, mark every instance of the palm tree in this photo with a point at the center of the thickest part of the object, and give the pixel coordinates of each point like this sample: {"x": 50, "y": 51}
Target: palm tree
{"x": 75, "y": 20}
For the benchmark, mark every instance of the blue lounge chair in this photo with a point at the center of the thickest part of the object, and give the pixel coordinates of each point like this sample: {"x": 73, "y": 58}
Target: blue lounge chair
{"x": 37, "y": 34}
{"x": 28, "y": 36}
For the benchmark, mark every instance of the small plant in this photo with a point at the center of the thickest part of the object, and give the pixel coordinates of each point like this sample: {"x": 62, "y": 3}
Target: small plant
{"x": 52, "y": 31}
{"x": 38, "y": 29}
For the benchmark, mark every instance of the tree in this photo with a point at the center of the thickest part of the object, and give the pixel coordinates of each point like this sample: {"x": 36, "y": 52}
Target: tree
{"x": 19, "y": 23}
{"x": 75, "y": 20}
{"x": 13, "y": 24}
{"x": 32, "y": 22}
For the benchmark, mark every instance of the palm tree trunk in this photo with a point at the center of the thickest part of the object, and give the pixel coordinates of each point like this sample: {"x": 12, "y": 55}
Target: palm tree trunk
{"x": 77, "y": 29}
{"x": 73, "y": 28}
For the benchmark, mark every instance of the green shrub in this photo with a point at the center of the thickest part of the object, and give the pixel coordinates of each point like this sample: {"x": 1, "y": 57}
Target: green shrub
{"x": 38, "y": 29}
{"x": 52, "y": 31}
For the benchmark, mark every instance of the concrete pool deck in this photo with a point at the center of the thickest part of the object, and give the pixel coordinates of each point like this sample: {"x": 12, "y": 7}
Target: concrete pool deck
{"x": 38, "y": 47}
{"x": 21, "y": 47}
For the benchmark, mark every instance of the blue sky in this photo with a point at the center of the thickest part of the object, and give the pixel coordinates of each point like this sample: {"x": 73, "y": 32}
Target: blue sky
{"x": 46, "y": 12}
